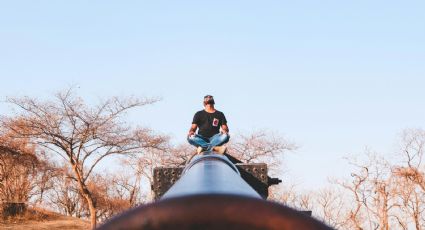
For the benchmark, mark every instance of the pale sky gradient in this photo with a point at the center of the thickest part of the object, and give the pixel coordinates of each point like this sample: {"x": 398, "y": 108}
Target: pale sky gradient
{"x": 333, "y": 76}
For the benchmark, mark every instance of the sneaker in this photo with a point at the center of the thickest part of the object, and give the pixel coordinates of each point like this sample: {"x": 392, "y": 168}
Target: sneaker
{"x": 220, "y": 149}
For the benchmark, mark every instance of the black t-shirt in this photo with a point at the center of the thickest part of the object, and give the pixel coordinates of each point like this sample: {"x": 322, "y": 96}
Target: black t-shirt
{"x": 209, "y": 123}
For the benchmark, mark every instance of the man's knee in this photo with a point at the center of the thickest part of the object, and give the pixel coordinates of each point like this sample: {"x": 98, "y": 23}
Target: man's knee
{"x": 225, "y": 136}
{"x": 222, "y": 138}
{"x": 191, "y": 139}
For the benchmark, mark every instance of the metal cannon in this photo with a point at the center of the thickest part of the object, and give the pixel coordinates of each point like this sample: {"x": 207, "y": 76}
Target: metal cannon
{"x": 213, "y": 192}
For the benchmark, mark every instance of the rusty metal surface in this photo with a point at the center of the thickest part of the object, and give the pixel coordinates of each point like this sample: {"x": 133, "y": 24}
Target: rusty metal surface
{"x": 256, "y": 176}
{"x": 213, "y": 212}
{"x": 164, "y": 178}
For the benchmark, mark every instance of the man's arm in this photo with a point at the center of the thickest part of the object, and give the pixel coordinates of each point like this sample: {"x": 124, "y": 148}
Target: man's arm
{"x": 192, "y": 129}
{"x": 225, "y": 129}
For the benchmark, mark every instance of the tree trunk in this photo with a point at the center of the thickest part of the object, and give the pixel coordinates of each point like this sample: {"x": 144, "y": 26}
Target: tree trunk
{"x": 92, "y": 210}
{"x": 417, "y": 224}
{"x": 87, "y": 195}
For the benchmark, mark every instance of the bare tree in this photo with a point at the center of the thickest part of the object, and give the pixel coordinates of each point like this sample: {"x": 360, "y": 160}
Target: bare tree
{"x": 381, "y": 199}
{"x": 373, "y": 192}
{"x": 380, "y": 194}
{"x": 260, "y": 146}
{"x": 169, "y": 156}
{"x": 330, "y": 206}
{"x": 179, "y": 155}
{"x": 82, "y": 135}
{"x": 356, "y": 188}
{"x": 17, "y": 170}
{"x": 126, "y": 188}
{"x": 65, "y": 197}
{"x": 411, "y": 203}
{"x": 412, "y": 154}
{"x": 286, "y": 194}
{"x": 410, "y": 176}
{"x": 25, "y": 173}
{"x": 305, "y": 201}
{"x": 114, "y": 193}
{"x": 145, "y": 163}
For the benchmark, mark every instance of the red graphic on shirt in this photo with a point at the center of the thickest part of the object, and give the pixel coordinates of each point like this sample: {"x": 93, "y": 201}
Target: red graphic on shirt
{"x": 215, "y": 122}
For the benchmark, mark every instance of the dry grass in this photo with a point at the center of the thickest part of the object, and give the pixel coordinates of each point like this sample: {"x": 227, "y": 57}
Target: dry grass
{"x": 43, "y": 220}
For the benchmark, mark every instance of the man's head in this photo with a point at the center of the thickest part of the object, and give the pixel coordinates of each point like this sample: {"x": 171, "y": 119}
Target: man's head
{"x": 209, "y": 100}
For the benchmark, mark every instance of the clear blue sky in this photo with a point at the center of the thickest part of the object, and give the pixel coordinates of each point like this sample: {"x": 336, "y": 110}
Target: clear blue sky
{"x": 334, "y": 76}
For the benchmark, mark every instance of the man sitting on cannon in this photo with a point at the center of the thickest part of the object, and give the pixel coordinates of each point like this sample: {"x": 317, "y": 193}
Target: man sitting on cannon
{"x": 212, "y": 127}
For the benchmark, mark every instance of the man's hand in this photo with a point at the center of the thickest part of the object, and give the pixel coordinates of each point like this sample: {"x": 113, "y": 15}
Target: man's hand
{"x": 224, "y": 129}
{"x": 192, "y": 130}
{"x": 190, "y": 133}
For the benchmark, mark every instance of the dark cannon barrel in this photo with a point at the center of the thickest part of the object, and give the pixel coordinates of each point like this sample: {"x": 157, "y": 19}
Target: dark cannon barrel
{"x": 211, "y": 195}
{"x": 210, "y": 174}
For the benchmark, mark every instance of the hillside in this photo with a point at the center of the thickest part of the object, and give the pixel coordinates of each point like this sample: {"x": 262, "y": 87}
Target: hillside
{"x": 36, "y": 219}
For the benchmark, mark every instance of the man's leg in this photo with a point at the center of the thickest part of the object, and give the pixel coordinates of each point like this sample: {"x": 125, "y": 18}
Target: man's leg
{"x": 219, "y": 139}
{"x": 199, "y": 141}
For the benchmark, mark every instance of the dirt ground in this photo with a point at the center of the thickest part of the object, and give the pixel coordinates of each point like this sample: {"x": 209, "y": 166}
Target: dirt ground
{"x": 64, "y": 223}
{"x": 35, "y": 218}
